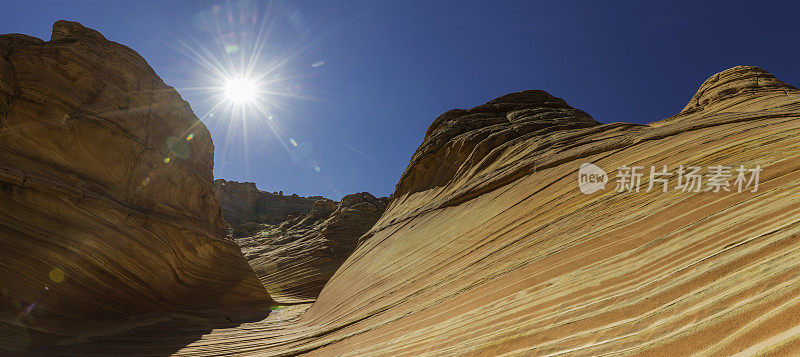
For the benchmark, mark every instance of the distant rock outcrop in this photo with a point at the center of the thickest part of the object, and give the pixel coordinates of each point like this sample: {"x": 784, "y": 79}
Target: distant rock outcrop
{"x": 294, "y": 243}
{"x": 106, "y": 205}
{"x": 243, "y": 202}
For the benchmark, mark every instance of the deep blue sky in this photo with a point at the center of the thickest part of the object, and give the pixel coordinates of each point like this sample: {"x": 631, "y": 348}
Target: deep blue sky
{"x": 391, "y": 67}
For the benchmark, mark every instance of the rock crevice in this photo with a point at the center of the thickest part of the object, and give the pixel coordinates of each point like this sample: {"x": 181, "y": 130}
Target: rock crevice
{"x": 295, "y": 244}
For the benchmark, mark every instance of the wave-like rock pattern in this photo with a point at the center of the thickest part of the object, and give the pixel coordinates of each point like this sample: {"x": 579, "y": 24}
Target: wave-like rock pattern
{"x": 507, "y": 257}
{"x": 294, "y": 243}
{"x": 489, "y": 248}
{"x": 294, "y": 259}
{"x": 106, "y": 206}
{"x": 460, "y": 141}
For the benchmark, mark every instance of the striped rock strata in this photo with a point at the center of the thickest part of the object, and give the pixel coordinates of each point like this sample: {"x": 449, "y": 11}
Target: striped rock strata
{"x": 294, "y": 259}
{"x": 488, "y": 247}
{"x": 106, "y": 207}
{"x": 294, "y": 243}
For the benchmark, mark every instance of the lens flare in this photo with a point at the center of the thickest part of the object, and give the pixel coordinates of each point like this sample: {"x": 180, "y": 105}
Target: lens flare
{"x": 56, "y": 275}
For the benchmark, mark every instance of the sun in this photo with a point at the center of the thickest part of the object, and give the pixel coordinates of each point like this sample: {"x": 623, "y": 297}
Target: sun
{"x": 240, "y": 90}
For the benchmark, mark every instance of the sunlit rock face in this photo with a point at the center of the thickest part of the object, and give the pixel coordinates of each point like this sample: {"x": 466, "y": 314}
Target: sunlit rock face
{"x": 460, "y": 140}
{"x": 738, "y": 88}
{"x": 243, "y": 202}
{"x": 462, "y": 148}
{"x": 106, "y": 204}
{"x": 501, "y": 253}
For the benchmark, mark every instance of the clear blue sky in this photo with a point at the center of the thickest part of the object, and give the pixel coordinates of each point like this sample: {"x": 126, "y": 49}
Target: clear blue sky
{"x": 391, "y": 67}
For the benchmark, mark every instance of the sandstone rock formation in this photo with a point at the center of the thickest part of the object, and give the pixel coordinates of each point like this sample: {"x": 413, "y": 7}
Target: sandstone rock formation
{"x": 460, "y": 141}
{"x": 294, "y": 243}
{"x": 106, "y": 206}
{"x": 244, "y": 202}
{"x": 489, "y": 248}
{"x": 295, "y": 258}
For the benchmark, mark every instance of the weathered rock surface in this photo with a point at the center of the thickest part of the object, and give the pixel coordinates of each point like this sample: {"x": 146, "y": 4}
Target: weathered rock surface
{"x": 460, "y": 141}
{"x": 488, "y": 247}
{"x": 106, "y": 206}
{"x": 244, "y": 202}
{"x": 294, "y": 243}
{"x": 294, "y": 259}
{"x": 504, "y": 255}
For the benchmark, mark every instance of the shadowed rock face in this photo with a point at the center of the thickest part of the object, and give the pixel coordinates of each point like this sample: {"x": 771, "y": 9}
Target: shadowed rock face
{"x": 244, "y": 202}
{"x": 106, "y": 205}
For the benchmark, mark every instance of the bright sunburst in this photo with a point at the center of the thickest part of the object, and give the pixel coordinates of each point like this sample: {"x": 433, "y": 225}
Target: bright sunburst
{"x": 246, "y": 77}
{"x": 241, "y": 90}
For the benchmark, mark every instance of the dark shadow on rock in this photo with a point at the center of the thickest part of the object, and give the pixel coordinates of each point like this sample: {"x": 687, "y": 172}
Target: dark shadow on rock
{"x": 163, "y": 338}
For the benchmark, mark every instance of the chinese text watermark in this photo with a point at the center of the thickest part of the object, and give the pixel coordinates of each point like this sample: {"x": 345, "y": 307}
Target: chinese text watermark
{"x": 716, "y": 178}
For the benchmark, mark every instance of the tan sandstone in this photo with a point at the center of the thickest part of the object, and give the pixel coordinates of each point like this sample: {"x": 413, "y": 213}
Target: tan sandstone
{"x": 106, "y": 207}
{"x": 297, "y": 257}
{"x": 495, "y": 251}
{"x": 488, "y": 247}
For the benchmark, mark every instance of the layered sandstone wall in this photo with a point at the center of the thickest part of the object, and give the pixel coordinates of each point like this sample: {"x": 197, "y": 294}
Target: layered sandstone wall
{"x": 501, "y": 253}
{"x": 295, "y": 244}
{"x": 295, "y": 258}
{"x": 106, "y": 205}
{"x": 487, "y": 247}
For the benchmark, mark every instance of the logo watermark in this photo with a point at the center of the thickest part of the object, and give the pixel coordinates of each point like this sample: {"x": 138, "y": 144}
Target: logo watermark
{"x": 716, "y": 178}
{"x": 591, "y": 178}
